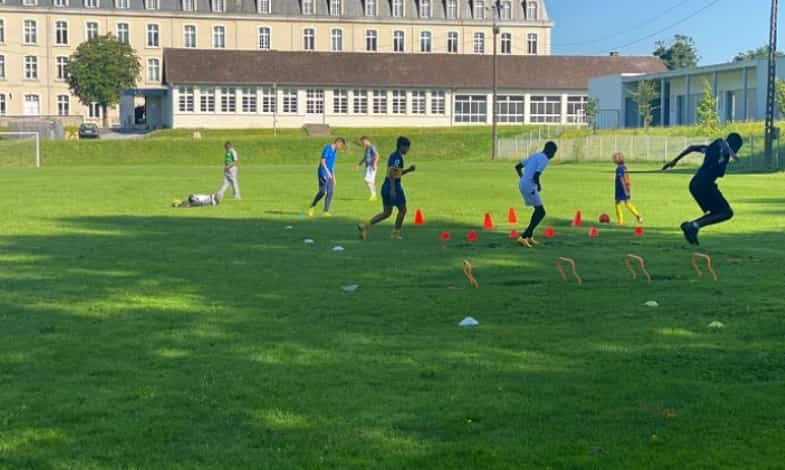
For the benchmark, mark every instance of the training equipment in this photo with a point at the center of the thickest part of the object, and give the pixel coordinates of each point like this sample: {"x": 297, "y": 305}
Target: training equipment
{"x": 472, "y": 236}
{"x": 488, "y": 222}
{"x": 418, "y": 218}
{"x": 350, "y": 287}
{"x": 512, "y": 217}
{"x": 468, "y": 322}
{"x": 605, "y": 219}
{"x": 468, "y": 271}
{"x": 716, "y": 325}
{"x": 571, "y": 263}
{"x": 577, "y": 221}
{"x": 549, "y": 233}
{"x": 308, "y": 241}
{"x": 20, "y": 149}
{"x": 628, "y": 263}
{"x": 709, "y": 265}
{"x": 593, "y": 232}
{"x": 638, "y": 231}
{"x": 445, "y": 236}
{"x": 514, "y": 234}
{"x": 289, "y": 227}
{"x": 652, "y": 303}
{"x": 338, "y": 248}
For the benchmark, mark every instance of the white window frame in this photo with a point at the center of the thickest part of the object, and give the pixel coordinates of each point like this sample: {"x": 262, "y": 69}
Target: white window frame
{"x": 218, "y": 6}
{"x": 269, "y": 101}
{"x": 265, "y": 7}
{"x": 264, "y": 38}
{"x": 87, "y": 28}
{"x": 59, "y": 3}
{"x": 576, "y": 109}
{"x": 473, "y": 114}
{"x": 452, "y": 10}
{"x": 438, "y": 102}
{"x": 91, "y": 3}
{"x": 400, "y": 102}
{"x": 29, "y": 3}
{"x": 127, "y": 32}
{"x": 419, "y": 103}
{"x": 426, "y": 39}
{"x": 152, "y": 5}
{"x": 65, "y": 32}
{"x": 207, "y": 101}
{"x": 506, "y": 43}
{"x": 30, "y": 67}
{"x": 2, "y": 66}
{"x": 63, "y": 105}
{"x": 371, "y": 37}
{"x": 216, "y": 28}
{"x": 188, "y": 5}
{"x": 545, "y": 109}
{"x": 153, "y": 36}
{"x": 195, "y": 38}
{"x": 153, "y": 77}
{"x": 532, "y": 44}
{"x": 228, "y": 100}
{"x": 426, "y": 9}
{"x": 29, "y": 32}
{"x": 308, "y": 7}
{"x": 186, "y": 99}
{"x": 379, "y": 104}
{"x": 289, "y": 100}
{"x": 37, "y": 102}
{"x": 360, "y": 101}
{"x": 371, "y": 8}
{"x": 398, "y": 9}
{"x": 61, "y": 64}
{"x": 453, "y": 39}
{"x": 249, "y": 100}
{"x": 336, "y": 7}
{"x": 399, "y": 41}
{"x": 122, "y": 4}
{"x": 3, "y": 105}
{"x": 336, "y": 40}
{"x": 505, "y": 10}
{"x": 479, "y": 9}
{"x": 309, "y": 33}
{"x": 510, "y": 109}
{"x": 94, "y": 110}
{"x": 340, "y": 101}
{"x": 314, "y": 101}
{"x": 532, "y": 10}
{"x": 478, "y": 42}
{"x": 2, "y": 30}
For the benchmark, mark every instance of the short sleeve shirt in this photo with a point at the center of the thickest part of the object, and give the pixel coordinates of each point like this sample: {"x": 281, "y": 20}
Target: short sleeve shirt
{"x": 329, "y": 156}
{"x": 369, "y": 157}
{"x": 536, "y": 163}
{"x": 230, "y": 157}
{"x": 396, "y": 161}
{"x": 715, "y": 162}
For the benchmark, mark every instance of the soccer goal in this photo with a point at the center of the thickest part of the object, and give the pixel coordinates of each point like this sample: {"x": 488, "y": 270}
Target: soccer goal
{"x": 20, "y": 149}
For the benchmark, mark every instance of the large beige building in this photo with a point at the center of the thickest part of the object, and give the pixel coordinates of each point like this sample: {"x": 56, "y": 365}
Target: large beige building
{"x": 38, "y": 36}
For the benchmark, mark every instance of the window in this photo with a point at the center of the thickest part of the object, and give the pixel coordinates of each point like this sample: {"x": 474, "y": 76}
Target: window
{"x": 91, "y": 3}
{"x": 425, "y": 8}
{"x": 418, "y": 102}
{"x": 219, "y": 37}
{"x": 32, "y": 105}
{"x": 532, "y": 40}
{"x": 452, "y": 42}
{"x": 151, "y": 4}
{"x": 264, "y": 38}
{"x": 122, "y": 4}
{"x": 2, "y": 105}
{"x": 189, "y": 5}
{"x": 452, "y": 9}
{"x": 153, "y": 70}
{"x": 425, "y": 41}
{"x": 314, "y": 101}
{"x": 94, "y": 111}
{"x": 61, "y": 33}
{"x": 399, "y": 41}
{"x": 509, "y": 108}
{"x": 335, "y": 8}
{"x": 309, "y": 39}
{"x": 60, "y": 3}
{"x": 31, "y": 67}
{"x": 31, "y": 32}
{"x": 438, "y": 102}
{"x": 399, "y": 101}
{"x": 506, "y": 43}
{"x": 2, "y": 30}
{"x": 152, "y": 35}
{"x": 471, "y": 108}
{"x": 218, "y": 6}
{"x": 397, "y": 8}
{"x": 228, "y": 100}
{"x": 265, "y": 7}
{"x": 307, "y": 7}
{"x": 371, "y": 41}
{"x": 370, "y": 8}
{"x": 576, "y": 109}
{"x": 506, "y": 10}
{"x": 340, "y": 102}
{"x": 63, "y": 105}
{"x": 185, "y": 99}
{"x": 207, "y": 100}
{"x": 61, "y": 64}
{"x": 249, "y": 101}
{"x": 479, "y": 43}
{"x": 336, "y": 40}
{"x": 290, "y": 100}
{"x": 268, "y": 100}
{"x": 379, "y": 101}
{"x": 531, "y": 10}
{"x": 91, "y": 30}
{"x": 29, "y": 3}
{"x": 360, "y": 102}
{"x": 2, "y": 67}
{"x": 479, "y": 10}
{"x": 122, "y": 32}
{"x": 189, "y": 36}
{"x": 545, "y": 109}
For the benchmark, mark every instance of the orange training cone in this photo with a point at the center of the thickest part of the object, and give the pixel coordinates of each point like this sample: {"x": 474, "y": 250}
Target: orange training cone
{"x": 488, "y": 224}
{"x": 418, "y": 218}
{"x": 512, "y": 217}
{"x": 578, "y": 220}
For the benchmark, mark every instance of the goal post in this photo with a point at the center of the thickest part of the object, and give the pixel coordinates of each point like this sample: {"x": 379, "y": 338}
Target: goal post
{"x": 20, "y": 149}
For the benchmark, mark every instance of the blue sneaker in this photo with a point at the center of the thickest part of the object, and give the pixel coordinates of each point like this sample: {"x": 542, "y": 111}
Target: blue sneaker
{"x": 690, "y": 233}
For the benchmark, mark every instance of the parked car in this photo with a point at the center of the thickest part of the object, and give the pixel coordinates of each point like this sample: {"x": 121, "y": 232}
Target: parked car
{"x": 88, "y": 131}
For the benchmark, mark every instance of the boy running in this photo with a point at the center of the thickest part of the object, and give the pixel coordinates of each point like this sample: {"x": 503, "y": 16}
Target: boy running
{"x": 326, "y": 176}
{"x": 392, "y": 191}
{"x": 703, "y": 185}
{"x": 623, "y": 195}
{"x": 230, "y": 173}
{"x": 371, "y": 161}
{"x": 530, "y": 187}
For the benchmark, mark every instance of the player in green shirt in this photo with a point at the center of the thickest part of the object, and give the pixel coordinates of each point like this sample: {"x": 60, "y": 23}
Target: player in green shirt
{"x": 230, "y": 173}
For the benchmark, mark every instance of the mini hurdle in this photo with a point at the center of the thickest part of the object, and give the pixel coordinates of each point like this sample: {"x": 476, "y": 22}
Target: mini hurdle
{"x": 571, "y": 263}
{"x": 709, "y": 265}
{"x": 639, "y": 260}
{"x": 468, "y": 271}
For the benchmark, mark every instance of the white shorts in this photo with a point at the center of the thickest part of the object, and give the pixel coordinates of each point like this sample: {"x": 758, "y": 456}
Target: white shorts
{"x": 530, "y": 194}
{"x": 370, "y": 174}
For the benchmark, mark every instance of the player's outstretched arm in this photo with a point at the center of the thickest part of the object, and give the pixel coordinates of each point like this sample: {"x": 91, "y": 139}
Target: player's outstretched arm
{"x": 687, "y": 151}
{"x": 411, "y": 169}
{"x": 519, "y": 169}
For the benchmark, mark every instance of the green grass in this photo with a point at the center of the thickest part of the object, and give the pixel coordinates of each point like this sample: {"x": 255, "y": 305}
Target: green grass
{"x": 136, "y": 336}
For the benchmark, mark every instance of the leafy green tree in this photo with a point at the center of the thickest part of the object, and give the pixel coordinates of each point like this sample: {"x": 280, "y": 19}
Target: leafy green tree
{"x": 780, "y": 95}
{"x": 100, "y": 69}
{"x": 708, "y": 118}
{"x": 678, "y": 53}
{"x": 644, "y": 96}
{"x": 591, "y": 110}
{"x": 759, "y": 53}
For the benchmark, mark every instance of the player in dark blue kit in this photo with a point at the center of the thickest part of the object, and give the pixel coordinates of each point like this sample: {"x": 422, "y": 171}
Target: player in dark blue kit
{"x": 703, "y": 186}
{"x": 392, "y": 191}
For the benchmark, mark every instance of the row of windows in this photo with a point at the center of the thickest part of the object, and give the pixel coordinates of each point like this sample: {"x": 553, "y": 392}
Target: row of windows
{"x": 480, "y": 9}
{"x": 30, "y": 69}
{"x": 510, "y": 109}
{"x": 32, "y": 106}
{"x": 264, "y": 38}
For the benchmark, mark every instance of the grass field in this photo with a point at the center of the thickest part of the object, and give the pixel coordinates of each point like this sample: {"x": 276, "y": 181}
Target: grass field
{"x": 136, "y": 336}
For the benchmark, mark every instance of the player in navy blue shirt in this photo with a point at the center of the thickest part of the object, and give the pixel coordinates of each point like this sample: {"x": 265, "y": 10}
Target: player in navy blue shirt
{"x": 392, "y": 191}
{"x": 704, "y": 187}
{"x": 326, "y": 176}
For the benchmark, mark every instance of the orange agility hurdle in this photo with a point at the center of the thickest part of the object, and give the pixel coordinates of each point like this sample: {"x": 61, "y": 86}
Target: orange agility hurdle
{"x": 467, "y": 270}
{"x": 571, "y": 262}
{"x": 628, "y": 263}
{"x": 709, "y": 265}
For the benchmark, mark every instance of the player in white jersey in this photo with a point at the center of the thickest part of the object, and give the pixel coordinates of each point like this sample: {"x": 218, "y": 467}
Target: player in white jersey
{"x": 530, "y": 187}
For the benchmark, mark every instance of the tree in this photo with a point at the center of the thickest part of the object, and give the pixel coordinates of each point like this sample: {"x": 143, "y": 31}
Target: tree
{"x": 100, "y": 69}
{"x": 591, "y": 110}
{"x": 780, "y": 95}
{"x": 752, "y": 54}
{"x": 679, "y": 53}
{"x": 644, "y": 97}
{"x": 708, "y": 118}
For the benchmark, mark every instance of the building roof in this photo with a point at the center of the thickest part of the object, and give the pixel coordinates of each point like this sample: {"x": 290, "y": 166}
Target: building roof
{"x": 227, "y": 67}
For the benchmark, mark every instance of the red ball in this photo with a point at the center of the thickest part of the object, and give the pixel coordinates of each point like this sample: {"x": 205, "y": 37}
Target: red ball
{"x": 549, "y": 233}
{"x": 605, "y": 219}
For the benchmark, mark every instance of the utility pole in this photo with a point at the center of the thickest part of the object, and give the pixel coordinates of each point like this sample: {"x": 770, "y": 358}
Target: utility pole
{"x": 770, "y": 95}
{"x": 494, "y": 12}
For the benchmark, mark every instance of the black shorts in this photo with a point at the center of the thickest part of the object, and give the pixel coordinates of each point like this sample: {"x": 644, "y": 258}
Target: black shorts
{"x": 708, "y": 196}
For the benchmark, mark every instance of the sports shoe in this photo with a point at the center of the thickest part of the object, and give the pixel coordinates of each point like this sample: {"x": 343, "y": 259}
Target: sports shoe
{"x": 690, "y": 233}
{"x": 363, "y": 229}
{"x": 326, "y": 214}
{"x": 533, "y": 241}
{"x": 396, "y": 235}
{"x": 640, "y": 219}
{"x": 311, "y": 212}
{"x": 373, "y": 198}
{"x": 524, "y": 242}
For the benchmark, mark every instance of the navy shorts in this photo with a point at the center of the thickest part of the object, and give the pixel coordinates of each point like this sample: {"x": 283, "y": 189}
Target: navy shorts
{"x": 400, "y": 196}
{"x": 708, "y": 196}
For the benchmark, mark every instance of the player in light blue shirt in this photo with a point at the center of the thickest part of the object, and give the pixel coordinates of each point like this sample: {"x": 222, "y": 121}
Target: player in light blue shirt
{"x": 530, "y": 170}
{"x": 326, "y": 176}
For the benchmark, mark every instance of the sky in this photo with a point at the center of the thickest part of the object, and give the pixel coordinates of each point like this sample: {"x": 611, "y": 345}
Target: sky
{"x": 631, "y": 27}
